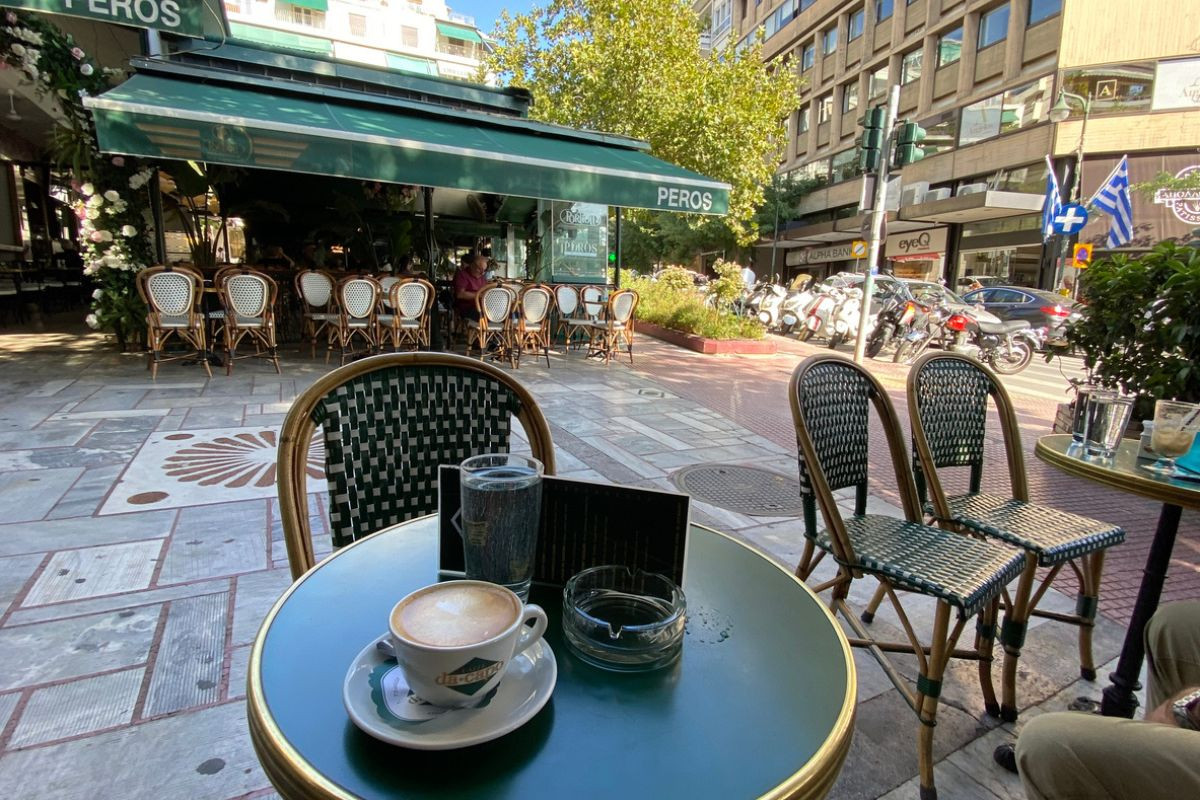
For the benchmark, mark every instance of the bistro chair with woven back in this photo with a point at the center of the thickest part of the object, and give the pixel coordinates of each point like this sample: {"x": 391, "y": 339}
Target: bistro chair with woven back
{"x": 948, "y": 409}
{"x": 566, "y": 302}
{"x": 388, "y": 423}
{"x": 616, "y": 326}
{"x": 533, "y": 321}
{"x": 358, "y": 299}
{"x": 318, "y": 302}
{"x": 172, "y": 298}
{"x": 494, "y": 328}
{"x": 248, "y": 300}
{"x": 831, "y": 399}
{"x": 405, "y": 318}
{"x": 587, "y": 312}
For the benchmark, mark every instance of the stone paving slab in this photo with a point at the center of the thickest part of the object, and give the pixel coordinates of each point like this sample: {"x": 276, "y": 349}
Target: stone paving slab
{"x": 60, "y": 534}
{"x": 111, "y": 569}
{"x": 83, "y": 706}
{"x": 190, "y": 656}
{"x": 28, "y": 496}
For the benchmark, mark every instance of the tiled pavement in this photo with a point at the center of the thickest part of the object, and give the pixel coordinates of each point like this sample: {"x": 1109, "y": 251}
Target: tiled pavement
{"x": 140, "y": 547}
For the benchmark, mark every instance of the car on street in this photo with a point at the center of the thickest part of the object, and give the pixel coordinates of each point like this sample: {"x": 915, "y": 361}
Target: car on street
{"x": 1040, "y": 308}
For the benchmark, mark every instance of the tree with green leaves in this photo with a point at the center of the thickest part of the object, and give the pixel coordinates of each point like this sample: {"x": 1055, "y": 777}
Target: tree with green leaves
{"x": 634, "y": 67}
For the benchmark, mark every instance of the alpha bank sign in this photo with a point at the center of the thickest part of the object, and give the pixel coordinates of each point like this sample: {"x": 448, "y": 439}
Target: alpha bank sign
{"x": 1183, "y": 203}
{"x": 183, "y": 17}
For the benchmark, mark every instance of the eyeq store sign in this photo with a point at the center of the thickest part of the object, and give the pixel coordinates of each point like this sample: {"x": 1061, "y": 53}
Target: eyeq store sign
{"x": 183, "y": 17}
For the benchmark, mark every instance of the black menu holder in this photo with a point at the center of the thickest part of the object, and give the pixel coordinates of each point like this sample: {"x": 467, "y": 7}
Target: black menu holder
{"x": 585, "y": 524}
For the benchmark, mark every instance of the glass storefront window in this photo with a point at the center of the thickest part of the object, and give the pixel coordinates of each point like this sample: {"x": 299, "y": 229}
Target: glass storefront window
{"x": 1027, "y": 105}
{"x": 1017, "y": 266}
{"x": 1025, "y": 222}
{"x": 1115, "y": 89}
{"x": 941, "y": 132}
{"x": 949, "y": 47}
{"x": 910, "y": 67}
{"x": 844, "y": 166}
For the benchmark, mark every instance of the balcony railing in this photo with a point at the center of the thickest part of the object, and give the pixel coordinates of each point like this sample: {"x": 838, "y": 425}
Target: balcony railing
{"x": 464, "y": 19}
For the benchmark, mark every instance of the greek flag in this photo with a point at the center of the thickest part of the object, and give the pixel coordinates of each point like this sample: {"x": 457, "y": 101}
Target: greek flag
{"x": 1053, "y": 203}
{"x": 1113, "y": 199}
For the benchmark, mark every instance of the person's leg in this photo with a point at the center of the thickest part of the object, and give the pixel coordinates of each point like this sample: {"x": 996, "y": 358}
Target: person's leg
{"x": 1075, "y": 756}
{"x": 1172, "y": 651}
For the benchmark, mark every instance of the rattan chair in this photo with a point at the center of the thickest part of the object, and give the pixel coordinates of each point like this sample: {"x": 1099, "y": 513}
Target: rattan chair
{"x": 831, "y": 398}
{"x": 566, "y": 303}
{"x": 533, "y": 321}
{"x": 948, "y": 408}
{"x": 172, "y": 297}
{"x": 388, "y": 423}
{"x": 248, "y": 300}
{"x": 406, "y": 322}
{"x": 591, "y": 306}
{"x": 615, "y": 326}
{"x": 318, "y": 302}
{"x": 494, "y": 327}
{"x": 358, "y": 298}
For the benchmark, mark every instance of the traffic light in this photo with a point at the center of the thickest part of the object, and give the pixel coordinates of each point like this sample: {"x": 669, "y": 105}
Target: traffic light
{"x": 908, "y": 144}
{"x": 612, "y": 257}
{"x": 870, "y": 142}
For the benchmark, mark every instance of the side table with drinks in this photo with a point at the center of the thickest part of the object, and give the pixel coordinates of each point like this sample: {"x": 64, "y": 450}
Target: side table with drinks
{"x": 1099, "y": 454}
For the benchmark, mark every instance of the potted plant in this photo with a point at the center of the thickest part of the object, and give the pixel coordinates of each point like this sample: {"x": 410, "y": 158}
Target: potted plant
{"x": 1140, "y": 325}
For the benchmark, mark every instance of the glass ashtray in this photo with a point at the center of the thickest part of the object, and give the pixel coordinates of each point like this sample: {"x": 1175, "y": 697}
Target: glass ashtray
{"x": 624, "y": 619}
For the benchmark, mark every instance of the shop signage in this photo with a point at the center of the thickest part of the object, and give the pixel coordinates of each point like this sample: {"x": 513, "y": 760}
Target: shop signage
{"x": 184, "y": 17}
{"x": 684, "y": 199}
{"x": 927, "y": 242}
{"x": 1177, "y": 84}
{"x": 579, "y": 242}
{"x": 1183, "y": 203}
{"x": 820, "y": 255}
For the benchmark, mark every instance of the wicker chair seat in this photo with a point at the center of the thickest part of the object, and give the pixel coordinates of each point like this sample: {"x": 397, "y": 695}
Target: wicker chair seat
{"x": 172, "y": 321}
{"x": 320, "y": 316}
{"x": 405, "y": 322}
{"x": 355, "y": 322}
{"x": 964, "y": 572}
{"x": 1054, "y": 535}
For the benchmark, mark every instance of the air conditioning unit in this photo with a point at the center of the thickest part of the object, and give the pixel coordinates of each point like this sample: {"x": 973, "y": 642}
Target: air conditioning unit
{"x": 937, "y": 194}
{"x": 914, "y": 193}
{"x": 972, "y": 188}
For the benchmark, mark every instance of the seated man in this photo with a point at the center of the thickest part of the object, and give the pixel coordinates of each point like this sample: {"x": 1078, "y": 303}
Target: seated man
{"x": 1070, "y": 755}
{"x": 468, "y": 282}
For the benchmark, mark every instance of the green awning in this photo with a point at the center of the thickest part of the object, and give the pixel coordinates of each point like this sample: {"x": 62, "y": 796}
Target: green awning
{"x": 303, "y": 131}
{"x": 421, "y": 66}
{"x": 273, "y": 38}
{"x": 315, "y": 5}
{"x": 455, "y": 32}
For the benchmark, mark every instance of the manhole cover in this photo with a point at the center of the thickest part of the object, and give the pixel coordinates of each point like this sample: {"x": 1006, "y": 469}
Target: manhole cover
{"x": 746, "y": 490}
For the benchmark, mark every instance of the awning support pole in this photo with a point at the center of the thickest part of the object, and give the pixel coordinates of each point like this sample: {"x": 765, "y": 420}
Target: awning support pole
{"x": 435, "y": 326}
{"x": 617, "y": 266}
{"x": 156, "y": 212}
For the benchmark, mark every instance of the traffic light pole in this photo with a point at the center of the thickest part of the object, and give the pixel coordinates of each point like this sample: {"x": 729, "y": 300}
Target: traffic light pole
{"x": 877, "y": 212}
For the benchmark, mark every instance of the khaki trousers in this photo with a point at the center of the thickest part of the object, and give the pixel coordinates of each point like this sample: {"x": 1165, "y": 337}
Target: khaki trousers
{"x": 1073, "y": 756}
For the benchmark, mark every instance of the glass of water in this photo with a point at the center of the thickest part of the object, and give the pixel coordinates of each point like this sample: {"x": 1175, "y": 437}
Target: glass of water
{"x": 1107, "y": 418}
{"x": 501, "y": 511}
{"x": 1175, "y": 426}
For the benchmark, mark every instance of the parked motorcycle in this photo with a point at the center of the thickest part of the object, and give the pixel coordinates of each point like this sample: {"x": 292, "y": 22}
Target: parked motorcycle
{"x": 896, "y": 315}
{"x": 928, "y": 326}
{"x": 1006, "y": 347}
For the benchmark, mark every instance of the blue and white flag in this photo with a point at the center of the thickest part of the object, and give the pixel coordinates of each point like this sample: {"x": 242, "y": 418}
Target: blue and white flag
{"x": 1113, "y": 199}
{"x": 1053, "y": 203}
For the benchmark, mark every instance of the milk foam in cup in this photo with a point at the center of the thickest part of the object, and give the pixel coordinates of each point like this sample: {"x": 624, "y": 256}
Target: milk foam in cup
{"x": 455, "y": 640}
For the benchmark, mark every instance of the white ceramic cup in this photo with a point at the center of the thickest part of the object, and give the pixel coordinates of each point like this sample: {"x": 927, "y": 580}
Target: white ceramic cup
{"x": 455, "y": 640}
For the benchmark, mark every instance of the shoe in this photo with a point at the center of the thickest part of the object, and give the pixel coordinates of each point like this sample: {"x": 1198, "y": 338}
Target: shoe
{"x": 1006, "y": 756}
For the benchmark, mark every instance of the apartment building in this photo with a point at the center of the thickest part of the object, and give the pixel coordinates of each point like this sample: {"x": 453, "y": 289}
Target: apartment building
{"x": 421, "y": 36}
{"x": 981, "y": 77}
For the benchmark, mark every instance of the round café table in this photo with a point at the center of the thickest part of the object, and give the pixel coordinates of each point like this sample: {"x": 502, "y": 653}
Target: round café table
{"x": 1125, "y": 473}
{"x": 760, "y": 703}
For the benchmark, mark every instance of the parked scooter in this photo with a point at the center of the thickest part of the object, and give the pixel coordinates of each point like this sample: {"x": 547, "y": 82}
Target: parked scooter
{"x": 769, "y": 305}
{"x": 794, "y": 306}
{"x": 818, "y": 318}
{"x": 846, "y": 317}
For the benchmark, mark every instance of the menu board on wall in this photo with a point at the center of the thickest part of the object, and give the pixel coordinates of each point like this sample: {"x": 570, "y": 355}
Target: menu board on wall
{"x": 578, "y": 242}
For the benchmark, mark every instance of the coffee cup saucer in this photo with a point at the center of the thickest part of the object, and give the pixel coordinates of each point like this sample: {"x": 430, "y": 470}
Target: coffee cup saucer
{"x": 380, "y": 704}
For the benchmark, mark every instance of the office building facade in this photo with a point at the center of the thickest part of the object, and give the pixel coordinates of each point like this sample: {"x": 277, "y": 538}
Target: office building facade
{"x": 980, "y": 77}
{"x": 421, "y": 36}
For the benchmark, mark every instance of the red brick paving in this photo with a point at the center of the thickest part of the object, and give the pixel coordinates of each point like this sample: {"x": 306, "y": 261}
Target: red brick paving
{"x": 752, "y": 390}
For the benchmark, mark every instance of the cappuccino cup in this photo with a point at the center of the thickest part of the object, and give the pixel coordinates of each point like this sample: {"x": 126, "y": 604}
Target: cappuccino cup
{"x": 455, "y": 640}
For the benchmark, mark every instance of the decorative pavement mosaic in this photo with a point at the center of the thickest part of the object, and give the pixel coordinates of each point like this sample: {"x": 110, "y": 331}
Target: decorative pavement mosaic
{"x": 140, "y": 547}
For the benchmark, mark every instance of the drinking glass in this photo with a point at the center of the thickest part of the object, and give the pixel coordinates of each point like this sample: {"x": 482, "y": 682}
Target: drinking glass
{"x": 1081, "y": 420}
{"x": 501, "y": 510}
{"x": 1107, "y": 418}
{"x": 1175, "y": 426}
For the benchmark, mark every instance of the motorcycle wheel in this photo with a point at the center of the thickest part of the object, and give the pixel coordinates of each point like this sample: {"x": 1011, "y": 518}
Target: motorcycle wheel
{"x": 805, "y": 334}
{"x": 1015, "y": 360}
{"x": 785, "y": 329}
{"x": 902, "y": 351}
{"x": 835, "y": 339}
{"x": 879, "y": 340}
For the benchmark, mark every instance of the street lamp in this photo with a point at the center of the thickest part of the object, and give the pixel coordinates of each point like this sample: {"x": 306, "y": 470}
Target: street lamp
{"x": 1059, "y": 112}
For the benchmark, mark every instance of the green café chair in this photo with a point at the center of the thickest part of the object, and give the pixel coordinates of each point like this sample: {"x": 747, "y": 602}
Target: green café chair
{"x": 831, "y": 399}
{"x": 948, "y": 409}
{"x": 388, "y": 423}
